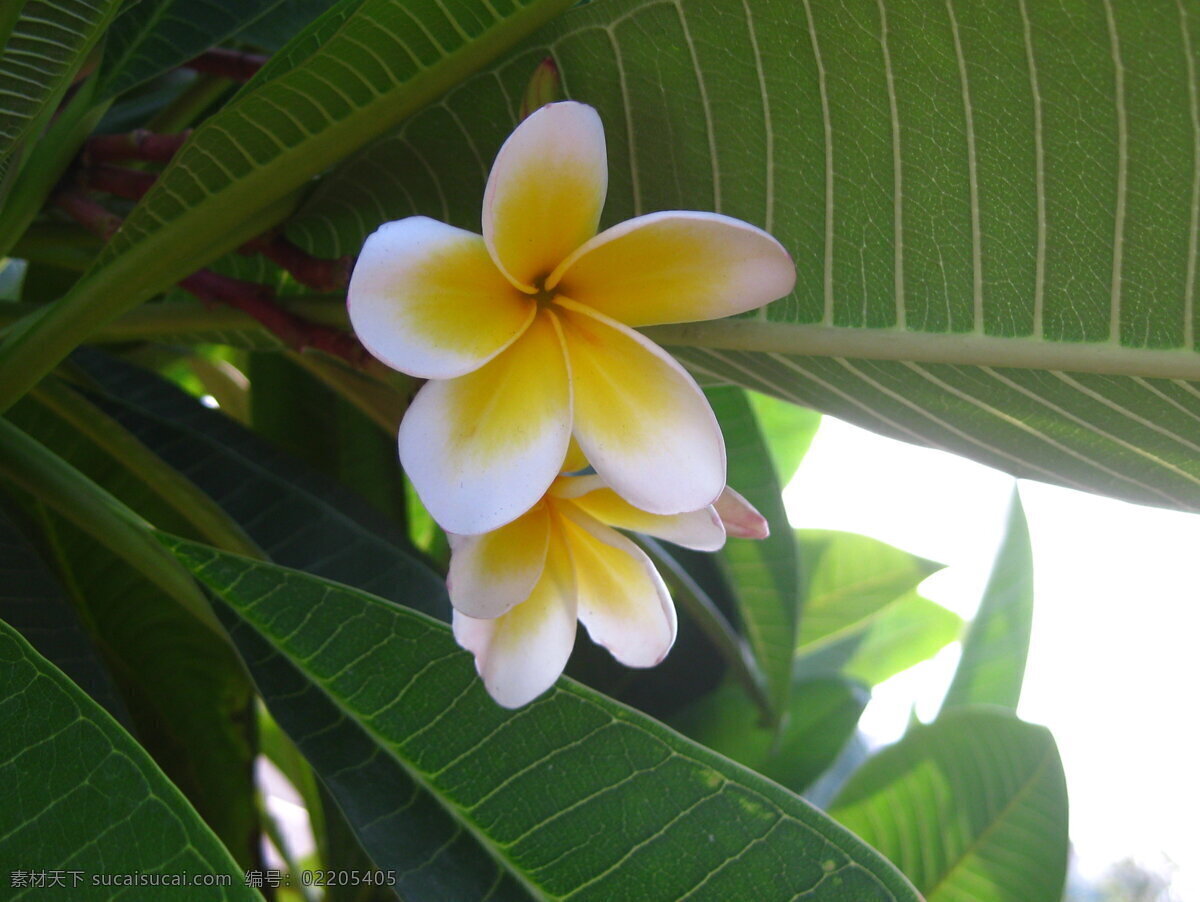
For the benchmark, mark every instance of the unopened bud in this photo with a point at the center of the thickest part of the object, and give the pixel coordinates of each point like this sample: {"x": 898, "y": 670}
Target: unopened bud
{"x": 544, "y": 87}
{"x": 741, "y": 519}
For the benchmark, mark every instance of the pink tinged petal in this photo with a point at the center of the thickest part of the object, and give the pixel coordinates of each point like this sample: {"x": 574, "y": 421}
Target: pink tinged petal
{"x": 742, "y": 520}
{"x": 426, "y": 299}
{"x": 622, "y": 599}
{"x": 545, "y": 191}
{"x": 492, "y": 573}
{"x": 640, "y": 418}
{"x": 483, "y": 448}
{"x": 676, "y": 267}
{"x": 520, "y": 654}
{"x": 701, "y": 530}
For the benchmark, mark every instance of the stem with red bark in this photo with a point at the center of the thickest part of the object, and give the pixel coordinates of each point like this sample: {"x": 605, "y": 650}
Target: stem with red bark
{"x": 227, "y": 63}
{"x": 257, "y": 301}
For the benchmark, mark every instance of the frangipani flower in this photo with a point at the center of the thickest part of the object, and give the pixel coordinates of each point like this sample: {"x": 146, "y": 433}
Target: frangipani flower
{"x": 524, "y": 332}
{"x": 517, "y": 591}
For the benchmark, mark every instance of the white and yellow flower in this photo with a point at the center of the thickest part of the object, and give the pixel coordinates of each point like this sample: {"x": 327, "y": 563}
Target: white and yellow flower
{"x": 525, "y": 332}
{"x": 518, "y": 591}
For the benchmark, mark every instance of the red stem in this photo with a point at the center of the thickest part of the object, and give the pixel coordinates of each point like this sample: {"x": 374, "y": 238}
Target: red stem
{"x": 227, "y": 63}
{"x": 128, "y": 183}
{"x": 257, "y": 301}
{"x": 314, "y": 272}
{"x": 135, "y": 145}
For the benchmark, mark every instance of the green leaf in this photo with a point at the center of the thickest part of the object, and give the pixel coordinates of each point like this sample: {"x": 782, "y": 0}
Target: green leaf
{"x": 850, "y": 579}
{"x": 788, "y": 429}
{"x": 48, "y": 43}
{"x": 77, "y": 793}
{"x": 908, "y": 631}
{"x": 152, "y": 36}
{"x": 297, "y": 517}
{"x": 97, "y": 445}
{"x": 986, "y": 796}
{"x": 992, "y": 666}
{"x": 34, "y": 603}
{"x": 762, "y": 573}
{"x": 189, "y": 699}
{"x": 51, "y": 480}
{"x": 993, "y": 208}
{"x": 572, "y": 796}
{"x": 821, "y": 717}
{"x": 243, "y": 168}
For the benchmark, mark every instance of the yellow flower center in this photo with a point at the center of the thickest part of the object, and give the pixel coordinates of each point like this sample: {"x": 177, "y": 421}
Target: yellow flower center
{"x": 543, "y": 296}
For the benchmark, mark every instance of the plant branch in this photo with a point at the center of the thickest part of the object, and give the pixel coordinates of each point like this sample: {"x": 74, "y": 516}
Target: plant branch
{"x": 257, "y": 301}
{"x": 139, "y": 144}
{"x": 227, "y": 63}
{"x": 312, "y": 272}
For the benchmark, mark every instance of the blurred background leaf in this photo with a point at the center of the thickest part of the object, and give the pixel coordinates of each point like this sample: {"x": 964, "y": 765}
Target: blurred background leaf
{"x": 973, "y": 806}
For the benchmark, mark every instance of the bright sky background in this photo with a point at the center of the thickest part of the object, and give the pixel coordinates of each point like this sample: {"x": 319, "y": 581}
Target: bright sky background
{"x": 1114, "y": 662}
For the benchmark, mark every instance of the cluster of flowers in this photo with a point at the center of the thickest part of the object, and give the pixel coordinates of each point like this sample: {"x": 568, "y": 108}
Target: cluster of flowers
{"x": 548, "y": 422}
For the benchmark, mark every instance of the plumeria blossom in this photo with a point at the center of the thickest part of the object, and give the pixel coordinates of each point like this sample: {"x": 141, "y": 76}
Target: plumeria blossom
{"x": 517, "y": 591}
{"x": 525, "y": 332}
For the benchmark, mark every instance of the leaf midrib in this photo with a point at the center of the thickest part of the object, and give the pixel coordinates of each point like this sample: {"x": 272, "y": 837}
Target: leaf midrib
{"x": 978, "y": 842}
{"x": 956, "y": 348}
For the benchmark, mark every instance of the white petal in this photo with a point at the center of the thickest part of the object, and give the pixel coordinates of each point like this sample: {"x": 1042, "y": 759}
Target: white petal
{"x": 426, "y": 299}
{"x": 483, "y": 448}
{"x": 545, "y": 191}
{"x": 520, "y": 654}
{"x": 640, "y": 418}
{"x": 701, "y": 530}
{"x": 493, "y": 572}
{"x": 622, "y": 599}
{"x": 676, "y": 267}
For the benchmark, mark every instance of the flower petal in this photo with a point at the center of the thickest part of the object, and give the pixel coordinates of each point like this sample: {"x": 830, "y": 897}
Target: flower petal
{"x": 701, "y": 530}
{"x": 621, "y": 598}
{"x": 491, "y": 573}
{"x": 483, "y": 448}
{"x": 740, "y": 518}
{"x": 640, "y": 418}
{"x": 426, "y": 299}
{"x": 520, "y": 654}
{"x": 676, "y": 267}
{"x": 545, "y": 191}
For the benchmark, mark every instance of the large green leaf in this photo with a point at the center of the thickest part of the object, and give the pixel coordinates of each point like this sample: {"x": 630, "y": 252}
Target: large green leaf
{"x": 763, "y": 573}
{"x": 78, "y": 794}
{"x": 243, "y": 168}
{"x": 973, "y": 807}
{"x": 49, "y": 41}
{"x": 572, "y": 797}
{"x": 152, "y": 36}
{"x": 993, "y": 208}
{"x": 992, "y": 666}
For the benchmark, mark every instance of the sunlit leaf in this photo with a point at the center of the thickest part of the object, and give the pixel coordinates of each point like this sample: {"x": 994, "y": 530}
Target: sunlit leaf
{"x": 986, "y": 796}
{"x": 992, "y": 667}
{"x": 763, "y": 573}
{"x": 849, "y": 579}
